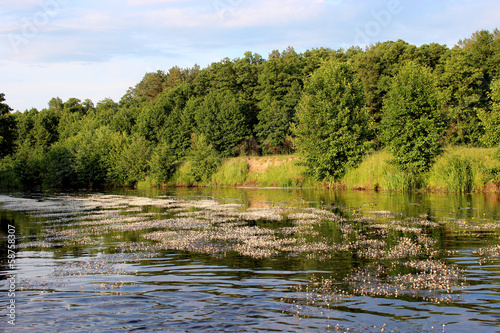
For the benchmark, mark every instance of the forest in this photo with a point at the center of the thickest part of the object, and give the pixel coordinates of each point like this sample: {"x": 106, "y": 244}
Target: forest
{"x": 330, "y": 107}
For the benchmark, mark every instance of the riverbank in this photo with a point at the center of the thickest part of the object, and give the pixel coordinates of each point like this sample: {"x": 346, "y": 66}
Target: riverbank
{"x": 458, "y": 169}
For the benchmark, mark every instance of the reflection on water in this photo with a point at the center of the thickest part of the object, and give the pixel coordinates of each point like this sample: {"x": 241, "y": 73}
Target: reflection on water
{"x": 231, "y": 260}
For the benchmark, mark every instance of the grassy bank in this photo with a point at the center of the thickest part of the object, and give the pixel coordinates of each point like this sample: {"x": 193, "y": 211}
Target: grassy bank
{"x": 458, "y": 169}
{"x": 265, "y": 171}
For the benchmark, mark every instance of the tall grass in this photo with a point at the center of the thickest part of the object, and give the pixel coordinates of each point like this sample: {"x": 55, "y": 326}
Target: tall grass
{"x": 377, "y": 172}
{"x": 183, "y": 175}
{"x": 456, "y": 170}
{"x": 287, "y": 174}
{"x": 370, "y": 173}
{"x": 232, "y": 172}
{"x": 462, "y": 169}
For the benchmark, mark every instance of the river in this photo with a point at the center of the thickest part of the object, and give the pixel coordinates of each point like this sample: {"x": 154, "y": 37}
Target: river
{"x": 249, "y": 260}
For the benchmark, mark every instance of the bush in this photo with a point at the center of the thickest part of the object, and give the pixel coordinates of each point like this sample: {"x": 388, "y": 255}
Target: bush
{"x": 204, "y": 160}
{"x": 163, "y": 164}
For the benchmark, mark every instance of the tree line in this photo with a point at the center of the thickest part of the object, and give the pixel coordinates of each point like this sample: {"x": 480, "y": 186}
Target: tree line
{"x": 331, "y": 106}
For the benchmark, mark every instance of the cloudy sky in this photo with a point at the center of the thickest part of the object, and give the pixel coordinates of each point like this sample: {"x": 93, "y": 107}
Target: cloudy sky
{"x": 98, "y": 48}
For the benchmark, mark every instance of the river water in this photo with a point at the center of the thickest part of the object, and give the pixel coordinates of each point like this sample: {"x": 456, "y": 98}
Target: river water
{"x": 249, "y": 260}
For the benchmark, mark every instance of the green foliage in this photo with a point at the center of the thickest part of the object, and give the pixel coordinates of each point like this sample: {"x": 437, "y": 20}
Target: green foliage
{"x": 462, "y": 169}
{"x": 331, "y": 121}
{"x": 222, "y": 120}
{"x": 7, "y": 129}
{"x": 457, "y": 174}
{"x": 204, "y": 160}
{"x": 280, "y": 90}
{"x": 91, "y": 150}
{"x": 491, "y": 118}
{"x": 28, "y": 166}
{"x": 248, "y": 105}
{"x": 376, "y": 67}
{"x": 8, "y": 177}
{"x": 163, "y": 118}
{"x": 461, "y": 83}
{"x": 163, "y": 163}
{"x": 60, "y": 164}
{"x": 128, "y": 159}
{"x": 376, "y": 172}
{"x": 412, "y": 123}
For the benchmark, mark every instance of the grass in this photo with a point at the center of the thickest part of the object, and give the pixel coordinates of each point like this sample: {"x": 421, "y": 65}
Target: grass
{"x": 232, "y": 172}
{"x": 183, "y": 175}
{"x": 458, "y": 169}
{"x": 461, "y": 169}
{"x": 286, "y": 174}
{"x": 266, "y": 171}
{"x": 376, "y": 172}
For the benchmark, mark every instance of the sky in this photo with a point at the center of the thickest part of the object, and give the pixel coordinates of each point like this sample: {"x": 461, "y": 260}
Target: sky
{"x": 97, "y": 49}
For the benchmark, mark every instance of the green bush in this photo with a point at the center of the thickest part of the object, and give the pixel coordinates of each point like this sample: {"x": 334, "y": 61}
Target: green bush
{"x": 163, "y": 164}
{"x": 204, "y": 160}
{"x": 8, "y": 178}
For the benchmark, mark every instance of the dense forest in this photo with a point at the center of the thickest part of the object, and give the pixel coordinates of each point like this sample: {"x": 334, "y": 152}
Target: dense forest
{"x": 330, "y": 106}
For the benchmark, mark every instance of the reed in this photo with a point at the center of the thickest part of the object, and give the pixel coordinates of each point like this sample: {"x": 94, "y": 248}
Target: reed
{"x": 233, "y": 171}
{"x": 376, "y": 172}
{"x": 462, "y": 169}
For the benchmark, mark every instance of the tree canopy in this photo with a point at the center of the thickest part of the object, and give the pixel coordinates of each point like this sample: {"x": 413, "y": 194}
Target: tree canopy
{"x": 329, "y": 105}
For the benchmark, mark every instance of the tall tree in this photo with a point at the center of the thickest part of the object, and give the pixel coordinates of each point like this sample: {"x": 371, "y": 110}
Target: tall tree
{"x": 491, "y": 118}
{"x": 281, "y": 83}
{"x": 7, "y": 128}
{"x": 222, "y": 118}
{"x": 331, "y": 121}
{"x": 376, "y": 68}
{"x": 461, "y": 83}
{"x": 412, "y": 123}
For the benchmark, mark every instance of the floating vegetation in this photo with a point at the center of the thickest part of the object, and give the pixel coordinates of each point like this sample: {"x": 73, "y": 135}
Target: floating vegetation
{"x": 392, "y": 256}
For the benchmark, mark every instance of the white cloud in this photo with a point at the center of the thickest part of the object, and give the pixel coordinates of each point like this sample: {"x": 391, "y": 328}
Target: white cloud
{"x": 268, "y": 13}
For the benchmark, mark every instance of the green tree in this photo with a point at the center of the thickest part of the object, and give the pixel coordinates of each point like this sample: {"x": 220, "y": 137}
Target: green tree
{"x": 151, "y": 85}
{"x": 56, "y": 104}
{"x": 461, "y": 83}
{"x": 491, "y": 118}
{"x": 128, "y": 159}
{"x": 222, "y": 119}
{"x": 152, "y": 122}
{"x": 203, "y": 158}
{"x": 8, "y": 131}
{"x": 60, "y": 164}
{"x": 376, "y": 68}
{"x": 91, "y": 155}
{"x": 281, "y": 83}
{"x": 412, "y": 123}
{"x": 331, "y": 121}
{"x": 45, "y": 129}
{"x": 163, "y": 163}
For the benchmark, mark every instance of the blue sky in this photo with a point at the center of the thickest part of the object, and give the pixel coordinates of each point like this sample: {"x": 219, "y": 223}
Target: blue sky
{"x": 98, "y": 48}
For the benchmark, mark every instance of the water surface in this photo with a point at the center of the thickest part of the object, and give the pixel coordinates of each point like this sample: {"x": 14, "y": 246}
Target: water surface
{"x": 252, "y": 260}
